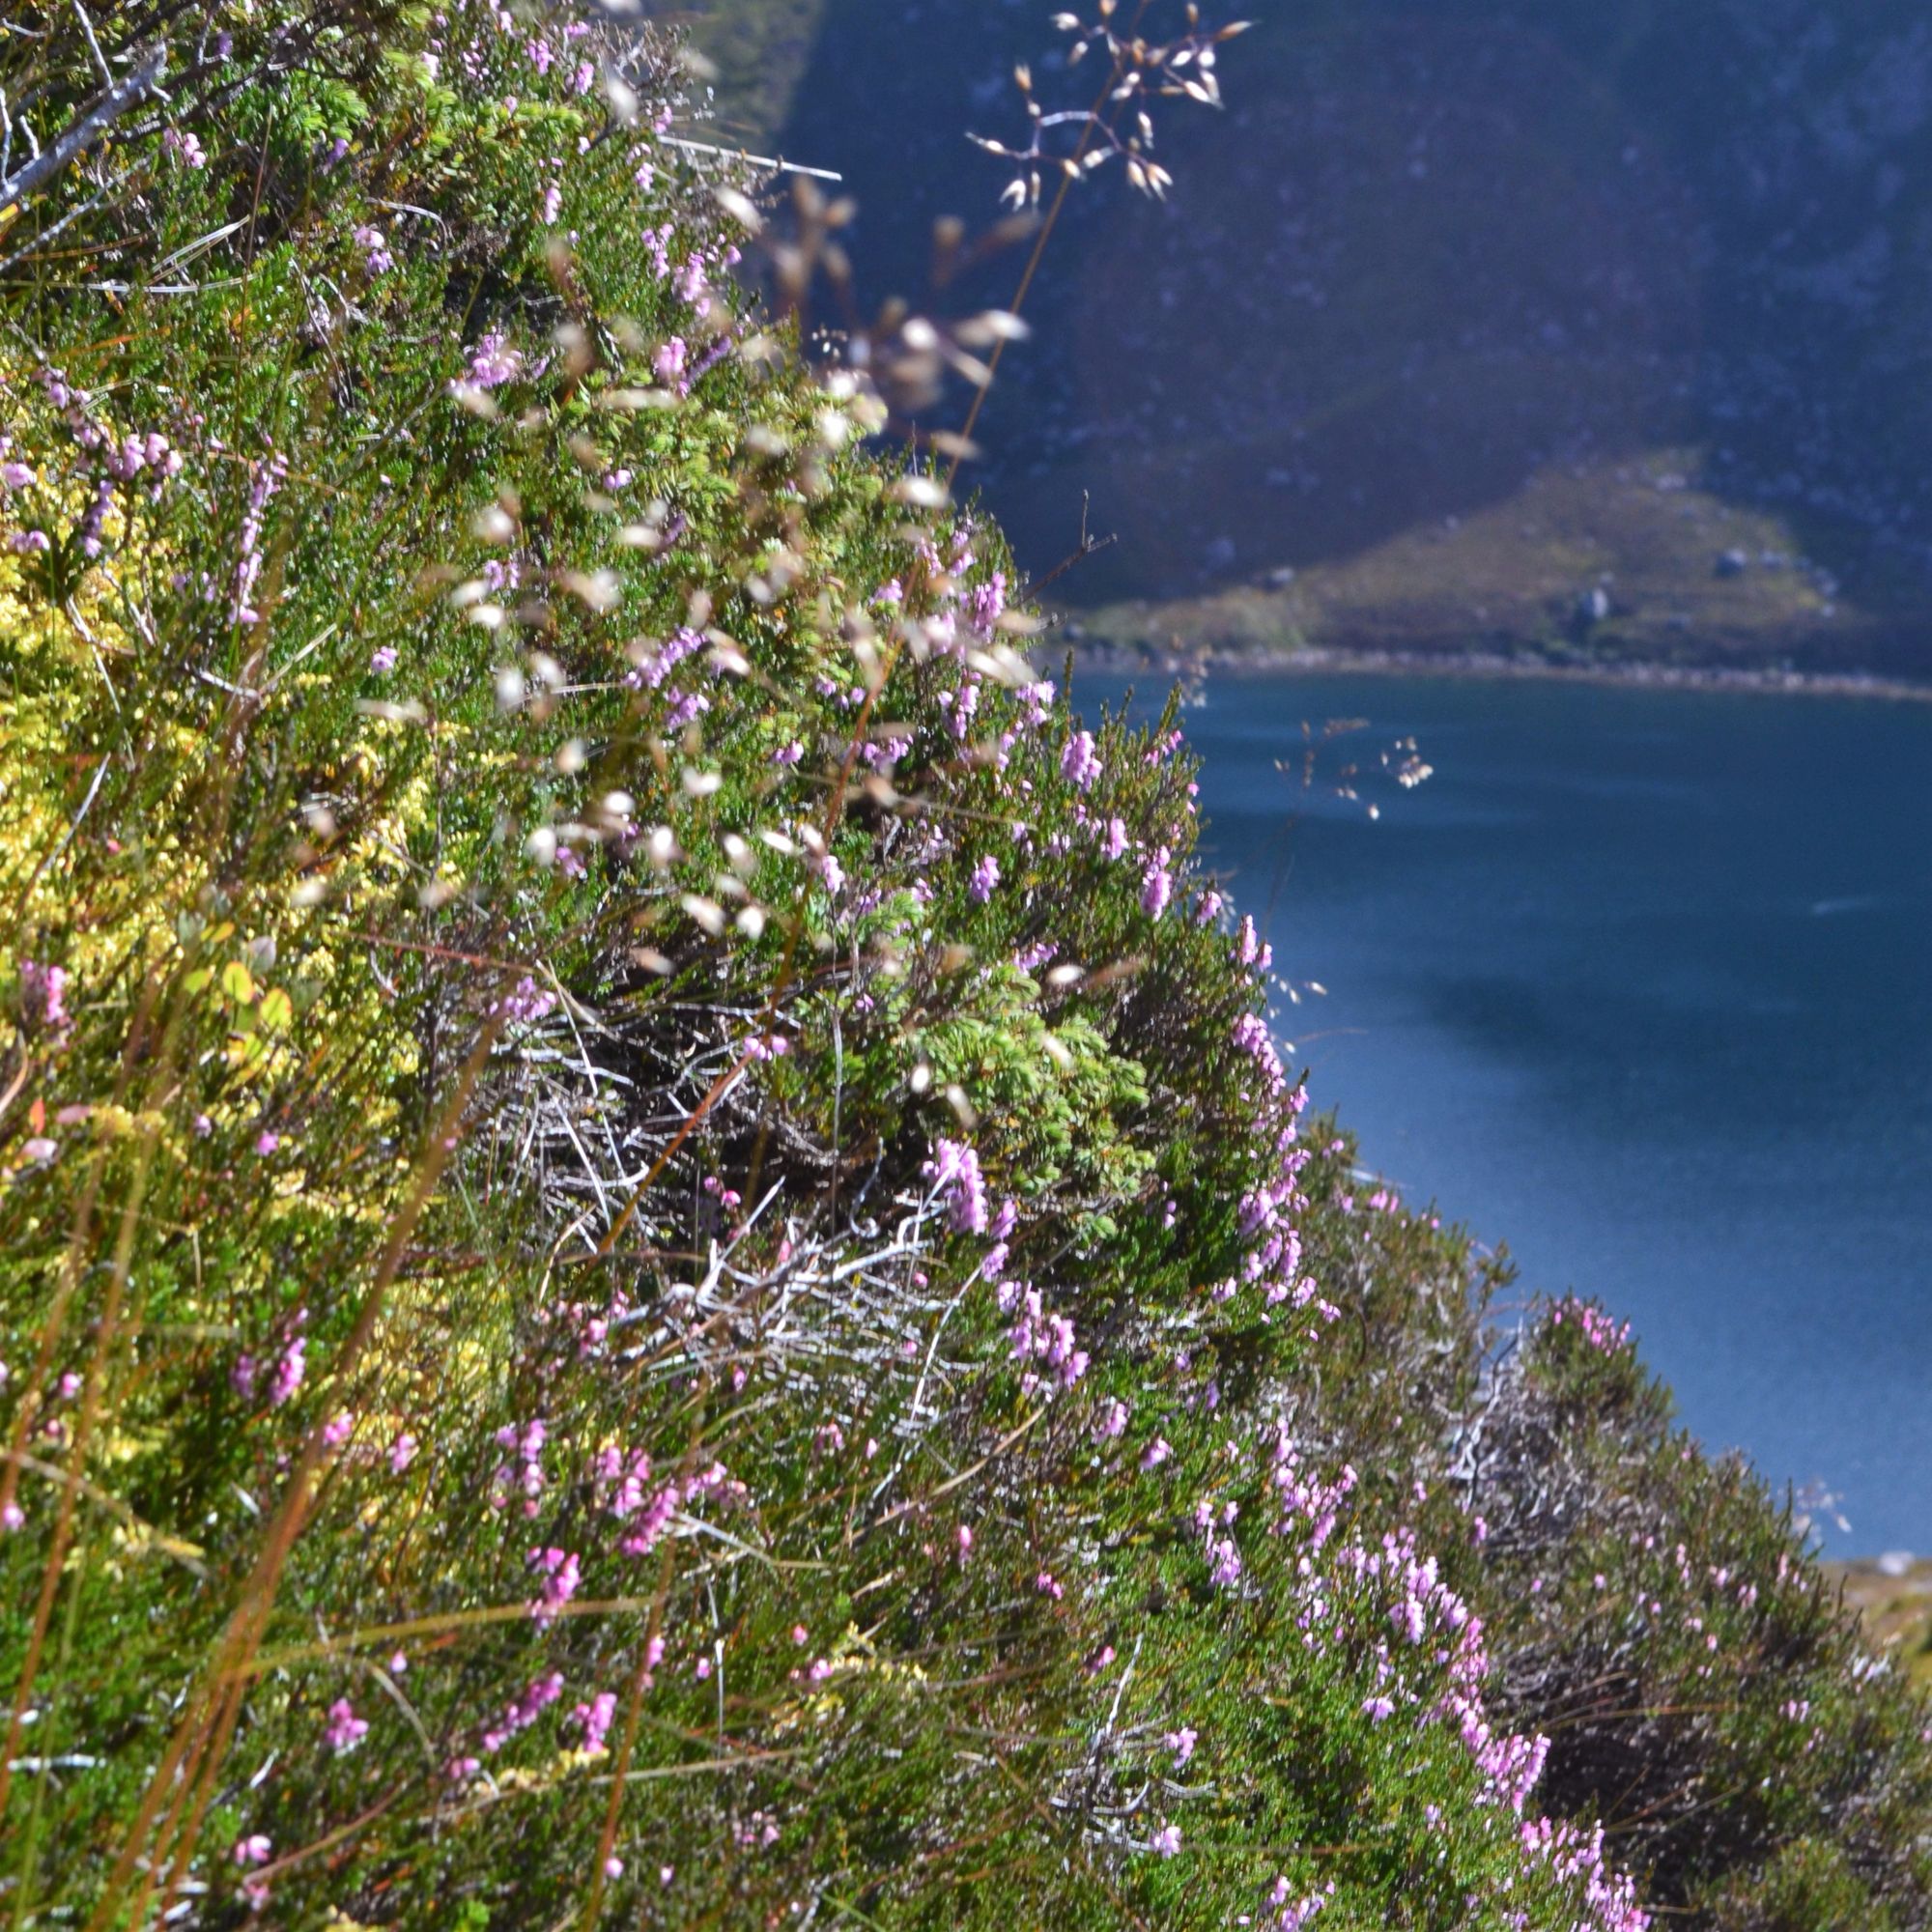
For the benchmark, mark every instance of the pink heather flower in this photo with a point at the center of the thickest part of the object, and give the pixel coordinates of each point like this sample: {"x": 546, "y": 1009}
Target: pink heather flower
{"x": 988, "y": 603}
{"x": 559, "y": 1574}
{"x": 1181, "y": 1743}
{"x": 594, "y": 1720}
{"x": 375, "y": 246}
{"x": 1376, "y": 1709}
{"x": 382, "y": 659}
{"x": 15, "y": 475}
{"x": 1166, "y": 1842}
{"x": 11, "y": 1518}
{"x": 986, "y": 877}
{"x": 267, "y": 1142}
{"x": 253, "y": 1850}
{"x": 339, "y": 1429}
{"x": 553, "y": 205}
{"x": 288, "y": 1376}
{"x": 1048, "y": 1585}
{"x": 526, "y": 1002}
{"x": 954, "y": 1171}
{"x": 43, "y": 996}
{"x": 522, "y": 1711}
{"x": 964, "y": 1536}
{"x": 1080, "y": 762}
{"x": 184, "y": 148}
{"x": 493, "y": 363}
{"x": 1156, "y": 1453}
{"x": 346, "y": 1730}
{"x": 1156, "y": 885}
{"x": 800, "y": 1634}
{"x": 1116, "y": 840}
{"x": 668, "y": 364}
{"x": 1113, "y": 1420}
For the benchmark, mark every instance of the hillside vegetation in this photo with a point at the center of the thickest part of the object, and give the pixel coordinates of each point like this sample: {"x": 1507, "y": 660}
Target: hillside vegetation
{"x": 656, "y": 1268}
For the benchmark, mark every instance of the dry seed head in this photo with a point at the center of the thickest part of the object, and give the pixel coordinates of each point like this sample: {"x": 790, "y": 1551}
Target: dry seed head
{"x": 925, "y": 492}
{"x": 621, "y": 95}
{"x": 991, "y": 326}
{"x": 599, "y": 591}
{"x": 704, "y": 913}
{"x": 739, "y": 208}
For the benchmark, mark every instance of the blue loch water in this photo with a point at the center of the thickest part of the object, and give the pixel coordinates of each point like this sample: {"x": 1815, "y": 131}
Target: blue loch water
{"x": 1640, "y": 984}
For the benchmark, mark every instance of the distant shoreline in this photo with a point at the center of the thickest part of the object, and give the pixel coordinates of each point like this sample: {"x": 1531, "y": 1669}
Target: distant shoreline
{"x": 1314, "y": 660}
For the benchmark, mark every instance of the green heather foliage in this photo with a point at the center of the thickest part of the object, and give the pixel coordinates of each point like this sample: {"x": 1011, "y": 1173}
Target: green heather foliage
{"x": 655, "y": 1270}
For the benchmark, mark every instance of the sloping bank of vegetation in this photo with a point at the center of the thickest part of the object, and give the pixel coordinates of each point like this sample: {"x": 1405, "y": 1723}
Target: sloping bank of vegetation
{"x": 657, "y": 1269}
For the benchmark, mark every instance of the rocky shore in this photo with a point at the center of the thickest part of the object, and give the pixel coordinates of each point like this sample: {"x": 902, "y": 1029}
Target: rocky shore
{"x": 1893, "y": 1595}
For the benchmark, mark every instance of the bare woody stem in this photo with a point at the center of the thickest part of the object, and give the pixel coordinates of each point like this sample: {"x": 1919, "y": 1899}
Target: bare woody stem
{"x": 104, "y": 112}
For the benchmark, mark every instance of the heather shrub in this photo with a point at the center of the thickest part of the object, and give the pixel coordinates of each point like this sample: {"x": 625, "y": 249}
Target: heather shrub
{"x": 656, "y": 1264}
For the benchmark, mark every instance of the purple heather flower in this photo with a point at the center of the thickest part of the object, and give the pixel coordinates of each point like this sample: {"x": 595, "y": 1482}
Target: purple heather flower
{"x": 1080, "y": 762}
{"x": 1156, "y": 885}
{"x": 346, "y": 1730}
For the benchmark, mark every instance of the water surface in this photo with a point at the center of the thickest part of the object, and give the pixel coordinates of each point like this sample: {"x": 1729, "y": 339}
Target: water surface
{"x": 1639, "y": 984}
